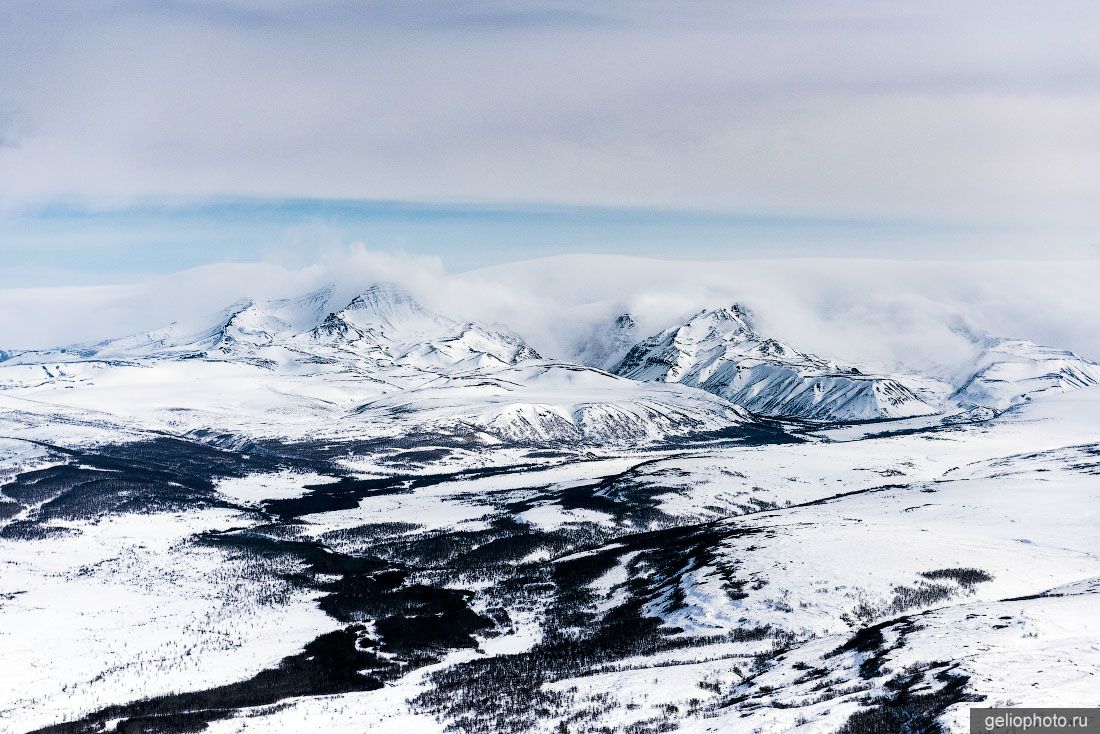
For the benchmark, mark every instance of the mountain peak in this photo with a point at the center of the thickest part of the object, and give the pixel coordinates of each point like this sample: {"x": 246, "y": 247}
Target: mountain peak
{"x": 734, "y": 320}
{"x": 717, "y": 350}
{"x": 625, "y": 321}
{"x": 383, "y": 291}
{"x": 385, "y": 320}
{"x": 386, "y": 304}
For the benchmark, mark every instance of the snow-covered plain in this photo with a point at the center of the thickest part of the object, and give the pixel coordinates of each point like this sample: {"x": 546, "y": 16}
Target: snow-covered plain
{"x": 126, "y": 608}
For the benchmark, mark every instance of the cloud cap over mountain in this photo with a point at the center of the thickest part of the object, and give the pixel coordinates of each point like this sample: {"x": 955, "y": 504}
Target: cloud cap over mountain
{"x": 867, "y": 312}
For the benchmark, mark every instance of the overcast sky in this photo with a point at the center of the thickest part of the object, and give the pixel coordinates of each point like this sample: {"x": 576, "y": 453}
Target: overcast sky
{"x": 147, "y": 136}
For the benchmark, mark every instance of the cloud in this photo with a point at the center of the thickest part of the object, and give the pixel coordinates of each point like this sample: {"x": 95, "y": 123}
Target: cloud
{"x": 54, "y": 316}
{"x": 981, "y": 111}
{"x": 871, "y": 312}
{"x": 875, "y": 313}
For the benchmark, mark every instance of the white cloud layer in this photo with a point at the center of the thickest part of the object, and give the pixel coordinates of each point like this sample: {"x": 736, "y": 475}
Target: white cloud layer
{"x": 871, "y": 312}
{"x": 986, "y": 110}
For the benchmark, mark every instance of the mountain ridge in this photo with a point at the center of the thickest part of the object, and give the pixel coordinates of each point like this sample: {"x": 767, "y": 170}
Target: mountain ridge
{"x": 719, "y": 350}
{"x": 331, "y": 353}
{"x": 381, "y": 364}
{"x": 1016, "y": 370}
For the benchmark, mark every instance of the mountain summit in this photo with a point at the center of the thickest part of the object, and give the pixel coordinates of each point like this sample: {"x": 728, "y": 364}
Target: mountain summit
{"x": 388, "y": 323}
{"x": 719, "y": 351}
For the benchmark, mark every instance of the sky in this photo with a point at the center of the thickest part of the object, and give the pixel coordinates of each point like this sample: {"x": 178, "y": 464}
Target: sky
{"x": 140, "y": 138}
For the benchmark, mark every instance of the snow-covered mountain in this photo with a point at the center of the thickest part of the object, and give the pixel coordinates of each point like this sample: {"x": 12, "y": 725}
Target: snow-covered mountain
{"x": 719, "y": 351}
{"x": 1010, "y": 371}
{"x": 177, "y": 340}
{"x": 389, "y": 323}
{"x": 379, "y": 365}
{"x": 383, "y": 327}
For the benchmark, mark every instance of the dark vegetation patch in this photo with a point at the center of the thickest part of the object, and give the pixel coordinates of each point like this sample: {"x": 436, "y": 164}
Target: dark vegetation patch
{"x": 762, "y": 432}
{"x": 328, "y": 451}
{"x": 9, "y": 509}
{"x": 347, "y": 493}
{"x": 965, "y": 577}
{"x": 367, "y": 588}
{"x": 180, "y": 457}
{"x": 913, "y": 699}
{"x": 549, "y": 454}
{"x": 160, "y": 475}
{"x": 418, "y": 456}
{"x": 507, "y": 692}
{"x": 1088, "y": 466}
{"x": 366, "y": 537}
{"x": 31, "y": 530}
{"x": 482, "y": 554}
{"x": 629, "y": 497}
{"x": 871, "y": 644}
{"x": 921, "y": 595}
{"x": 903, "y": 710}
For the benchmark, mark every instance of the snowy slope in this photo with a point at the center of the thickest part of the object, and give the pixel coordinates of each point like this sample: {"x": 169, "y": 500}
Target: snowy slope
{"x": 720, "y": 352}
{"x": 545, "y": 401}
{"x": 173, "y": 341}
{"x": 1013, "y": 370}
